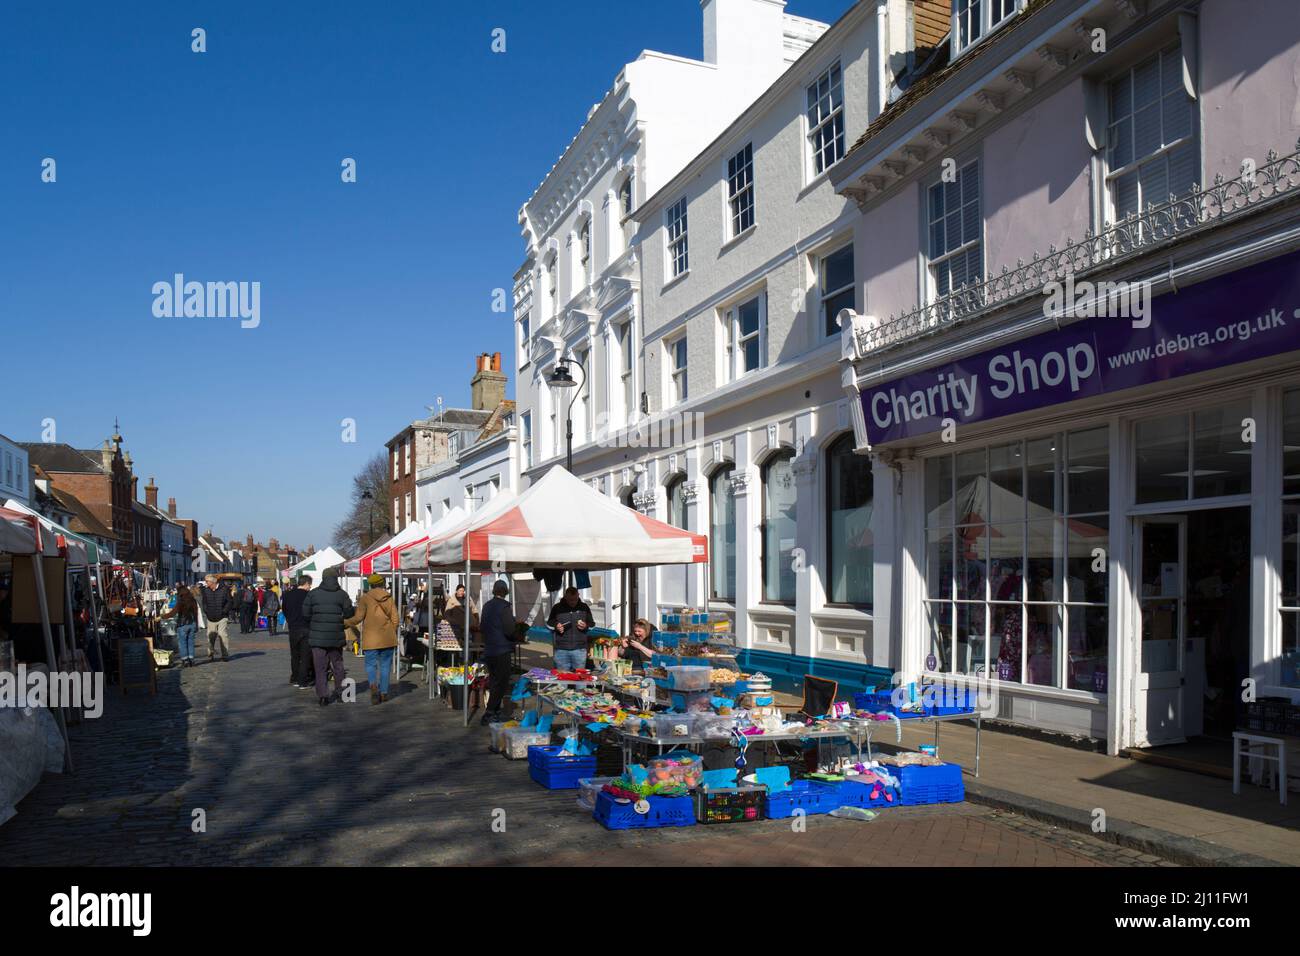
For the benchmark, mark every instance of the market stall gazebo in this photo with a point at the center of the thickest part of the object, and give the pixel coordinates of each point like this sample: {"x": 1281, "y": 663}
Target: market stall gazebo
{"x": 560, "y": 522}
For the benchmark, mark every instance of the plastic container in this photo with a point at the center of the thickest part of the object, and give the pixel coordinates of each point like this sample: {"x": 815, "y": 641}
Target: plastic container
{"x": 620, "y": 814}
{"x": 731, "y": 805}
{"x": 689, "y": 677}
{"x": 666, "y": 726}
{"x": 810, "y": 796}
{"x": 714, "y": 725}
{"x": 680, "y": 767}
{"x": 922, "y": 785}
{"x": 517, "y": 740}
{"x": 497, "y": 742}
{"x": 589, "y": 788}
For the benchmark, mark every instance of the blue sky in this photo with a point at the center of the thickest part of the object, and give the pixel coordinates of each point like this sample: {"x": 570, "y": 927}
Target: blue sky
{"x": 225, "y": 166}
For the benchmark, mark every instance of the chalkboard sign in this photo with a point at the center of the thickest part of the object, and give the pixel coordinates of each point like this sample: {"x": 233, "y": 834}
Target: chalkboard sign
{"x": 135, "y": 666}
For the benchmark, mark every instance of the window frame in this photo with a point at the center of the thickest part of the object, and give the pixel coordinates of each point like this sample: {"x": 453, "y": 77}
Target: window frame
{"x": 677, "y": 239}
{"x": 1111, "y": 176}
{"x": 626, "y": 196}
{"x": 834, "y": 118}
{"x": 526, "y": 437}
{"x": 932, "y": 263}
{"x": 678, "y": 380}
{"x": 987, "y": 26}
{"x": 824, "y": 296}
{"x": 735, "y": 341}
{"x": 524, "y": 329}
{"x": 741, "y": 194}
{"x": 623, "y": 337}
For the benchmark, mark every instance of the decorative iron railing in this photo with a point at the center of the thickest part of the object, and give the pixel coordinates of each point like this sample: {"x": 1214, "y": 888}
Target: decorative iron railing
{"x": 1138, "y": 233}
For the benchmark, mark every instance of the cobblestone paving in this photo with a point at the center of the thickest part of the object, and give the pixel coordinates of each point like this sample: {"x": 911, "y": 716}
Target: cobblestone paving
{"x": 283, "y": 781}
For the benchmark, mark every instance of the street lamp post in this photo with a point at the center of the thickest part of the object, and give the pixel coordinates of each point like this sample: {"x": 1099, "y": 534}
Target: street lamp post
{"x": 561, "y": 378}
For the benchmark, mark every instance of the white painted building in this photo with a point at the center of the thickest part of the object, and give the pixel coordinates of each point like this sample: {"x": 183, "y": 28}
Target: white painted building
{"x": 15, "y": 475}
{"x": 476, "y": 475}
{"x": 578, "y": 292}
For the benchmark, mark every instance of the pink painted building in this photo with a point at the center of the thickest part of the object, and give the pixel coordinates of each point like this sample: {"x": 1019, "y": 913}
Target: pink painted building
{"x": 1077, "y": 361}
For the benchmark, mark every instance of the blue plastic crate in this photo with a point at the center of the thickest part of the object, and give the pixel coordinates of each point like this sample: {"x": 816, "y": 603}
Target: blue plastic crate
{"x": 565, "y": 779}
{"x": 921, "y": 785}
{"x": 555, "y": 772}
{"x": 664, "y": 812}
{"x": 810, "y": 796}
{"x": 856, "y": 794}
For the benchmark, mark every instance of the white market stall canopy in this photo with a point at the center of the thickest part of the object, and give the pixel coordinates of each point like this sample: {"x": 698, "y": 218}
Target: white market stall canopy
{"x": 561, "y": 522}
{"x": 381, "y": 562}
{"x": 80, "y": 552}
{"x": 364, "y": 564}
{"x": 19, "y": 532}
{"x": 316, "y": 563}
{"x": 413, "y": 555}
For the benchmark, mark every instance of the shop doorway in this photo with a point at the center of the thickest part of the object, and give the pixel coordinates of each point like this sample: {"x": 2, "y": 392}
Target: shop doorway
{"x": 1194, "y": 623}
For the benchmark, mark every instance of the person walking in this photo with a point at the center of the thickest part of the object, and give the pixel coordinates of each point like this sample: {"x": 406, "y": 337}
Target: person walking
{"x": 248, "y": 610}
{"x": 300, "y": 667}
{"x": 377, "y": 615}
{"x": 498, "y": 626}
{"x": 325, "y": 610}
{"x": 570, "y": 619}
{"x": 217, "y": 608}
{"x": 186, "y": 612}
{"x": 271, "y": 608}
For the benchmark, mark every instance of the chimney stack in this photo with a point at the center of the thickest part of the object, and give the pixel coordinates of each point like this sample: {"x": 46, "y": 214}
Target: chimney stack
{"x": 151, "y": 493}
{"x": 488, "y": 387}
{"x": 171, "y": 507}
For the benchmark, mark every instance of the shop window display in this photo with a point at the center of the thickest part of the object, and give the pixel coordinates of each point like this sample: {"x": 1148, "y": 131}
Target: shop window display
{"x": 1015, "y": 589}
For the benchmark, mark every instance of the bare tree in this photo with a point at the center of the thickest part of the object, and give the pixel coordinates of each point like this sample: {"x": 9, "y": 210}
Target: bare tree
{"x": 367, "y": 518}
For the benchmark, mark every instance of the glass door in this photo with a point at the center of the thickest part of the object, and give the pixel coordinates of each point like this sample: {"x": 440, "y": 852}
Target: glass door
{"x": 1162, "y": 563}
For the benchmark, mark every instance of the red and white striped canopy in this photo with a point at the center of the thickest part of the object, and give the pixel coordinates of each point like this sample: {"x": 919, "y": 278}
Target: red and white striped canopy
{"x": 561, "y": 522}
{"x": 415, "y": 555}
{"x": 19, "y": 533}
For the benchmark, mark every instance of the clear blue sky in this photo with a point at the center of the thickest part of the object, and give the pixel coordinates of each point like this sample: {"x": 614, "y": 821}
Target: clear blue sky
{"x": 224, "y": 166}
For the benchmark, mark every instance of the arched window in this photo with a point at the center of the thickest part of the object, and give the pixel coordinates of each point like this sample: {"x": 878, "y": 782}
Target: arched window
{"x": 778, "y": 528}
{"x": 848, "y": 531}
{"x": 722, "y": 535}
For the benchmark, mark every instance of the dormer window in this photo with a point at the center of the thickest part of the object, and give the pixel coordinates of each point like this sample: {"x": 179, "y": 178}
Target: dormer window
{"x": 972, "y": 20}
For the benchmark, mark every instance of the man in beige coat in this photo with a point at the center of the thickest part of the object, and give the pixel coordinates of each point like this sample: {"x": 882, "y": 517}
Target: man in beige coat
{"x": 377, "y": 615}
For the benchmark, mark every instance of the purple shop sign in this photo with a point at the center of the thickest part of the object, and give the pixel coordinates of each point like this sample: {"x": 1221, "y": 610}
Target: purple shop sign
{"x": 1248, "y": 314}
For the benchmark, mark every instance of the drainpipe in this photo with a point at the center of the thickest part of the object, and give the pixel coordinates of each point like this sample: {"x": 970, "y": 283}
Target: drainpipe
{"x": 881, "y": 55}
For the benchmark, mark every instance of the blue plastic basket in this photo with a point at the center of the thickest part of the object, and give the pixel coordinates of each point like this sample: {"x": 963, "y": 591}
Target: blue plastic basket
{"x": 856, "y": 794}
{"x": 555, "y": 772}
{"x": 810, "y": 796}
{"x": 921, "y": 785}
{"x": 664, "y": 812}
